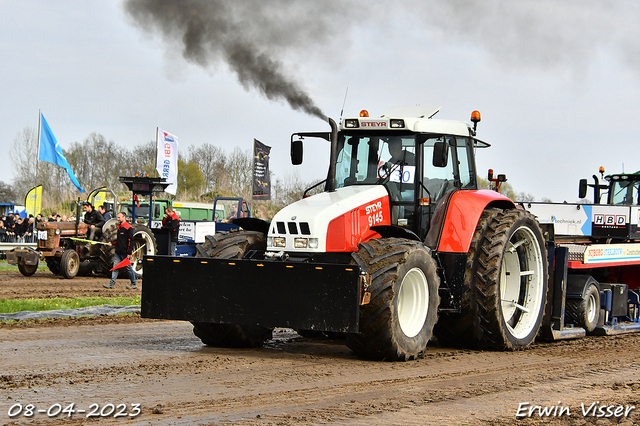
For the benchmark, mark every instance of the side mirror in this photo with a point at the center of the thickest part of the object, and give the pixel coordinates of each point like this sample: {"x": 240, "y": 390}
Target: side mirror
{"x": 582, "y": 188}
{"x": 440, "y": 154}
{"x": 296, "y": 152}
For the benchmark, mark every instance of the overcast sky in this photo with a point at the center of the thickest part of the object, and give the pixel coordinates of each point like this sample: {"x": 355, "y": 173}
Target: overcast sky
{"x": 557, "y": 82}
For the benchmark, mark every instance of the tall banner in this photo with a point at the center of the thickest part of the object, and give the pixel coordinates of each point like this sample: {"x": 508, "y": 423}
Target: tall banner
{"x": 97, "y": 196}
{"x": 261, "y": 176}
{"x": 51, "y": 152}
{"x": 33, "y": 201}
{"x": 167, "y": 159}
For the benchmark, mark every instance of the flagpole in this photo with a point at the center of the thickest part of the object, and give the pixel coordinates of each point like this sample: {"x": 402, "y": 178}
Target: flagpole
{"x": 38, "y": 156}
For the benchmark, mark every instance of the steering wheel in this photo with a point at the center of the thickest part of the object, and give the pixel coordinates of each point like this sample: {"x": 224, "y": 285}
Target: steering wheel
{"x": 384, "y": 171}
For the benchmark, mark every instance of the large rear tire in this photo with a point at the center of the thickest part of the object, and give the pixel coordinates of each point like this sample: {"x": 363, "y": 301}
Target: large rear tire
{"x": 105, "y": 261}
{"x": 505, "y": 288}
{"x": 69, "y": 264}
{"x": 144, "y": 243}
{"x": 232, "y": 245}
{"x": 398, "y": 322}
{"x": 54, "y": 265}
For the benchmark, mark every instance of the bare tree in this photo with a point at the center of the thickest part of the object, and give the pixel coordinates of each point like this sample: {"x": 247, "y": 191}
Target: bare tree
{"x": 212, "y": 163}
{"x": 24, "y": 158}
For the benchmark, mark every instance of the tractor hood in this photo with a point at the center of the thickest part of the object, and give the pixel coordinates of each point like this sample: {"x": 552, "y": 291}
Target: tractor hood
{"x": 331, "y": 221}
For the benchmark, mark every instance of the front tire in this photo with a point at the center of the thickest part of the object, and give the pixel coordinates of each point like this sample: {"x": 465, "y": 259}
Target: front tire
{"x": 69, "y": 264}
{"x": 398, "y": 322}
{"x": 232, "y": 245}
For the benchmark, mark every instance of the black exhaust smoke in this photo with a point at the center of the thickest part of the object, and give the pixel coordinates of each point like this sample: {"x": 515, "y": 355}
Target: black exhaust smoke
{"x": 245, "y": 35}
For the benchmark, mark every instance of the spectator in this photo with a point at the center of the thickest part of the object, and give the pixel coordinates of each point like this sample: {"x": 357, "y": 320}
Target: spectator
{"x": 18, "y": 229}
{"x": 29, "y": 229}
{"x": 94, "y": 219}
{"x": 10, "y": 222}
{"x": 171, "y": 222}
{"x": 3, "y": 231}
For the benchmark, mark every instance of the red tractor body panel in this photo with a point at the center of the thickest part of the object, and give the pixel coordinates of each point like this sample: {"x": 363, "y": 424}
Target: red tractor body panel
{"x": 463, "y": 213}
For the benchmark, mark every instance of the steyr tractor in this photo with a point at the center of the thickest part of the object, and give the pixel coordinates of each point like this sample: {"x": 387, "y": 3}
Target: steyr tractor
{"x": 400, "y": 245}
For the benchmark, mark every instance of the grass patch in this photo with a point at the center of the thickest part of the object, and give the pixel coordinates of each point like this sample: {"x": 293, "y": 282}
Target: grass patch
{"x": 4, "y": 266}
{"x": 9, "y": 306}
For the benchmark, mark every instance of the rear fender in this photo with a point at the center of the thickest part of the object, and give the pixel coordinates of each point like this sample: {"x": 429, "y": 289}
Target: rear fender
{"x": 251, "y": 224}
{"x": 463, "y": 212}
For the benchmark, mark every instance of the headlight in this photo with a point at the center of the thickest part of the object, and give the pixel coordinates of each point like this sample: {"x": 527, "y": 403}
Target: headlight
{"x": 300, "y": 243}
{"x": 279, "y": 242}
{"x": 269, "y": 241}
{"x": 57, "y": 231}
{"x": 397, "y": 124}
{"x": 351, "y": 123}
{"x": 313, "y": 243}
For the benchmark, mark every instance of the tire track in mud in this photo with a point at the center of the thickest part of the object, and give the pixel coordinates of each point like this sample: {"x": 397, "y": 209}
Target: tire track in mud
{"x": 296, "y": 381}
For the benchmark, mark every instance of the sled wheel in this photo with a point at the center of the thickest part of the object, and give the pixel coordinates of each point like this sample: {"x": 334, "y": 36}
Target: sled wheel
{"x": 584, "y": 312}
{"x": 27, "y": 270}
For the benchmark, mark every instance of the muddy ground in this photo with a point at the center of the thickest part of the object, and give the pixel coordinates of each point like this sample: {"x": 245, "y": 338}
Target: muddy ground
{"x": 176, "y": 380}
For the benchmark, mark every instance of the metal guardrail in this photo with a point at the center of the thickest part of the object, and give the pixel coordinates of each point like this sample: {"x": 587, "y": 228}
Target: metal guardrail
{"x": 10, "y": 246}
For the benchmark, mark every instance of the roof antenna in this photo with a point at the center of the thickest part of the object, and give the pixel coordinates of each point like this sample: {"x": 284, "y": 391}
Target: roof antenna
{"x": 344, "y": 102}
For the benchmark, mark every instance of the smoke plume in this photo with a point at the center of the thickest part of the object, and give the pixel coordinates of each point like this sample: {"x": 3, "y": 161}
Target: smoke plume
{"x": 246, "y": 35}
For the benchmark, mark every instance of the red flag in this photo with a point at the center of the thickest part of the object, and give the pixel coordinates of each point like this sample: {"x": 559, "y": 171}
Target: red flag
{"x": 125, "y": 262}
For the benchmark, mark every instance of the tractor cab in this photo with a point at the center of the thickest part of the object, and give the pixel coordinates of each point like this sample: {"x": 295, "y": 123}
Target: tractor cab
{"x": 624, "y": 189}
{"x": 418, "y": 159}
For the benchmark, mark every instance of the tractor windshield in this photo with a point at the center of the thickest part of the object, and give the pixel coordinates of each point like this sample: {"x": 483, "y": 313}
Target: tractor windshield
{"x": 625, "y": 191}
{"x": 391, "y": 159}
{"x": 375, "y": 160}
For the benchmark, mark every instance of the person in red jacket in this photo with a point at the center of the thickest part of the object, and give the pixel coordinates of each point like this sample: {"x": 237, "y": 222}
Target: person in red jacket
{"x": 171, "y": 222}
{"x": 124, "y": 249}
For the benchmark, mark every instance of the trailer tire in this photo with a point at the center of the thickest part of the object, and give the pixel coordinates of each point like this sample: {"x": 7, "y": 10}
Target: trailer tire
{"x": 583, "y": 312}
{"x": 231, "y": 245}
{"x": 506, "y": 282}
{"x": 398, "y": 322}
{"x": 27, "y": 270}
{"x": 69, "y": 264}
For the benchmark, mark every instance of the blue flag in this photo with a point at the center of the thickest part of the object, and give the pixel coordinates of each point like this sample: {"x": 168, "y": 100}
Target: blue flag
{"x": 50, "y": 150}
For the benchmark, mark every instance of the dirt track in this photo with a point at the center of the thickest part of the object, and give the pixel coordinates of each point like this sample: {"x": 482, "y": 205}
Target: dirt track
{"x": 292, "y": 380}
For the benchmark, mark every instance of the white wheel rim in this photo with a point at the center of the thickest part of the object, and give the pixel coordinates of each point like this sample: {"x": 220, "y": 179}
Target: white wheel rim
{"x": 592, "y": 309}
{"x": 521, "y": 282}
{"x": 139, "y": 239}
{"x": 413, "y": 302}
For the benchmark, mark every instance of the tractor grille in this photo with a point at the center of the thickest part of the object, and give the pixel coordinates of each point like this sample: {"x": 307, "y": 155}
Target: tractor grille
{"x": 50, "y": 242}
{"x": 293, "y": 228}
